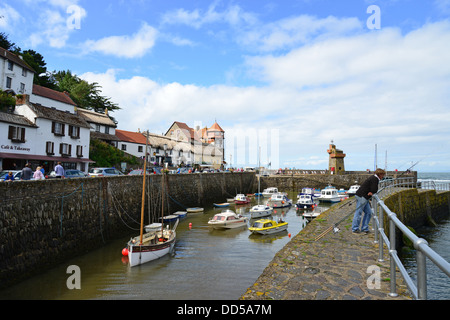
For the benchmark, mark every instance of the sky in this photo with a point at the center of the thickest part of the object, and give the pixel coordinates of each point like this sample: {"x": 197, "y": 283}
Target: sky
{"x": 284, "y": 79}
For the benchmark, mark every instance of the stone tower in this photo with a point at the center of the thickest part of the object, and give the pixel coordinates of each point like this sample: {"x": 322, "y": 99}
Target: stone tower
{"x": 336, "y": 162}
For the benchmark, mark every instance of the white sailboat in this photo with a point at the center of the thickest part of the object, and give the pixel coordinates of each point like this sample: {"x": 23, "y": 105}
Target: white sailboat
{"x": 157, "y": 242}
{"x": 260, "y": 210}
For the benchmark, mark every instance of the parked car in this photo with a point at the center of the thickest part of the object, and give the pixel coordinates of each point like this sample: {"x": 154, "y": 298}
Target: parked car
{"x": 137, "y": 172}
{"x": 69, "y": 173}
{"x": 16, "y": 173}
{"x": 104, "y": 172}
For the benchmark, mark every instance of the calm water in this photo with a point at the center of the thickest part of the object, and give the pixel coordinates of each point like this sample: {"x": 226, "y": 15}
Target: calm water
{"x": 439, "y": 240}
{"x": 206, "y": 264}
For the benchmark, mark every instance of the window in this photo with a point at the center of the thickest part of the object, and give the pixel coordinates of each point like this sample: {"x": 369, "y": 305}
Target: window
{"x": 24, "y": 72}
{"x": 22, "y": 88}
{"x": 16, "y": 134}
{"x": 107, "y": 130}
{"x": 74, "y": 132}
{"x": 140, "y": 149}
{"x": 65, "y": 149}
{"x": 58, "y": 128}
{"x": 8, "y": 82}
{"x": 97, "y": 128}
{"x": 124, "y": 147}
{"x": 50, "y": 148}
{"x": 79, "y": 151}
{"x": 10, "y": 65}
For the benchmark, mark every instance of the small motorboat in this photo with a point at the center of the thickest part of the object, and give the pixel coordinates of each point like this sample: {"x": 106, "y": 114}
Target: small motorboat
{"x": 279, "y": 200}
{"x": 353, "y": 189}
{"x": 260, "y": 210}
{"x": 269, "y": 192}
{"x": 330, "y": 194}
{"x": 170, "y": 218}
{"x": 153, "y": 227}
{"x": 268, "y": 226}
{"x": 194, "y": 210}
{"x": 180, "y": 214}
{"x": 305, "y": 201}
{"x": 311, "y": 215}
{"x": 228, "y": 220}
{"x": 221, "y": 205}
{"x": 309, "y": 191}
{"x": 241, "y": 199}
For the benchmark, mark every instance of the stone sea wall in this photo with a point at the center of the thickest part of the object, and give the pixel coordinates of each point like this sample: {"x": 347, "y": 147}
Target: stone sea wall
{"x": 43, "y": 223}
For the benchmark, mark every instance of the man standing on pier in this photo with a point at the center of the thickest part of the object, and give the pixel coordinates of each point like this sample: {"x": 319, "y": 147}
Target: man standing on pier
{"x": 363, "y": 195}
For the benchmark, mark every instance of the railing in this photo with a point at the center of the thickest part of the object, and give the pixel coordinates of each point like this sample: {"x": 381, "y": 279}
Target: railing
{"x": 423, "y": 251}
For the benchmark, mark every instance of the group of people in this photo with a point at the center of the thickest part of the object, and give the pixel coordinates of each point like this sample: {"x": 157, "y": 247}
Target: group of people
{"x": 27, "y": 173}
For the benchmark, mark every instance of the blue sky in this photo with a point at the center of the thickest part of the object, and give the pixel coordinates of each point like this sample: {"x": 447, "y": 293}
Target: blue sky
{"x": 289, "y": 76}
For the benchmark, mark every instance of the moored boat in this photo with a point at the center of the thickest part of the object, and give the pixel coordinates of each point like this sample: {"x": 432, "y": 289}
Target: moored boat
{"x": 260, "y": 210}
{"x": 153, "y": 244}
{"x": 221, "y": 205}
{"x": 279, "y": 200}
{"x": 353, "y": 189}
{"x": 241, "y": 199}
{"x": 305, "y": 201}
{"x": 194, "y": 210}
{"x": 269, "y": 192}
{"x": 227, "y": 220}
{"x": 330, "y": 194}
{"x": 268, "y": 226}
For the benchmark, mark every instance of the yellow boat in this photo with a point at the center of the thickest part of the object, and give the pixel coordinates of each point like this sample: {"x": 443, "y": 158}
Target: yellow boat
{"x": 268, "y": 226}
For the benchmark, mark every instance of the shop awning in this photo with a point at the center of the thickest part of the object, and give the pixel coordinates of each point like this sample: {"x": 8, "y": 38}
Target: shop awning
{"x": 5, "y": 155}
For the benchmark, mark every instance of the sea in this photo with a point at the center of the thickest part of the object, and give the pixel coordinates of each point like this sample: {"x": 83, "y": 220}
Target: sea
{"x": 438, "y": 239}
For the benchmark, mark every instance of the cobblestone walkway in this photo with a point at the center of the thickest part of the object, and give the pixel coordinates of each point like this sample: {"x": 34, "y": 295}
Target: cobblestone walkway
{"x": 332, "y": 268}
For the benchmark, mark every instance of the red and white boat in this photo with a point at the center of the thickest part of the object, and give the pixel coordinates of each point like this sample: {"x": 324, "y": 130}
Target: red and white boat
{"x": 241, "y": 199}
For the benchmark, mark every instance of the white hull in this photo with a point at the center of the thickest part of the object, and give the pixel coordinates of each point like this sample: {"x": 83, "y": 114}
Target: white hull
{"x": 138, "y": 258}
{"x": 228, "y": 225}
{"x": 332, "y": 200}
{"x": 260, "y": 211}
{"x": 151, "y": 249}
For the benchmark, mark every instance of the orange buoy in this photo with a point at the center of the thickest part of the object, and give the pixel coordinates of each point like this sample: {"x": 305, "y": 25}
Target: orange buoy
{"x": 125, "y": 252}
{"x": 289, "y": 235}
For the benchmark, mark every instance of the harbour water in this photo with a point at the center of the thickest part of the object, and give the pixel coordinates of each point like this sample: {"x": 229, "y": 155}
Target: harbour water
{"x": 206, "y": 264}
{"x": 438, "y": 239}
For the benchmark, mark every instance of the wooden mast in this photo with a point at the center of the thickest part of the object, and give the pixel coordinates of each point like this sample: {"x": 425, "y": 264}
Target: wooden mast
{"x": 143, "y": 189}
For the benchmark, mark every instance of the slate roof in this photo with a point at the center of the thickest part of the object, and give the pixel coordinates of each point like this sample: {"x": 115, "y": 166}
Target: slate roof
{"x": 16, "y": 119}
{"x": 58, "y": 115}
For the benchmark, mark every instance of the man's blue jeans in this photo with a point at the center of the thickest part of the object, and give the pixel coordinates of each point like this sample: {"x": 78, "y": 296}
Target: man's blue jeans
{"x": 362, "y": 205}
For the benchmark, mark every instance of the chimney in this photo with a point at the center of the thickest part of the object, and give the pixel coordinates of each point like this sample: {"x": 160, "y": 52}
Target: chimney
{"x": 106, "y": 111}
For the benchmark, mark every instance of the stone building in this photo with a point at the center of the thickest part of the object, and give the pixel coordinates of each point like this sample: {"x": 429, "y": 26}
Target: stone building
{"x": 336, "y": 160}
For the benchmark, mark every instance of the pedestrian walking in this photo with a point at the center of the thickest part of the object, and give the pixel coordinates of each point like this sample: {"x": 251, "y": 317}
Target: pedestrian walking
{"x": 363, "y": 195}
{"x": 59, "y": 170}
{"x": 38, "y": 174}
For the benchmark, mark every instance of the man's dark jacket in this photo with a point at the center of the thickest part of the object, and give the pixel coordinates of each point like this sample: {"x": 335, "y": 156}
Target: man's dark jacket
{"x": 370, "y": 185}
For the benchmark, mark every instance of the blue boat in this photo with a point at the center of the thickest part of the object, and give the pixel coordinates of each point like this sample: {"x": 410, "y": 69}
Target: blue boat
{"x": 221, "y": 205}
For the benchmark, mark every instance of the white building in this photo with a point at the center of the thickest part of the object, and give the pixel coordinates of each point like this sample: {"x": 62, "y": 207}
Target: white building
{"x": 131, "y": 142}
{"x": 102, "y": 126}
{"x": 43, "y": 136}
{"x": 15, "y": 74}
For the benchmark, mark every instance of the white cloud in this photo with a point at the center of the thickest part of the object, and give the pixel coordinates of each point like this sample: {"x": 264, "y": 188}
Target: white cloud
{"x": 55, "y": 24}
{"x": 9, "y": 17}
{"x": 380, "y": 87}
{"x": 298, "y": 30}
{"x": 136, "y": 45}
{"x": 232, "y": 15}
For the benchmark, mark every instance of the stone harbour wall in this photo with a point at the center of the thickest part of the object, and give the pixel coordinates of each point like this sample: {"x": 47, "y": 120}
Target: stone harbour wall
{"x": 43, "y": 223}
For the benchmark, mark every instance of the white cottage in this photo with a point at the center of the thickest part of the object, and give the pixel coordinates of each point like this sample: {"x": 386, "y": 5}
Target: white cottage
{"x": 43, "y": 135}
